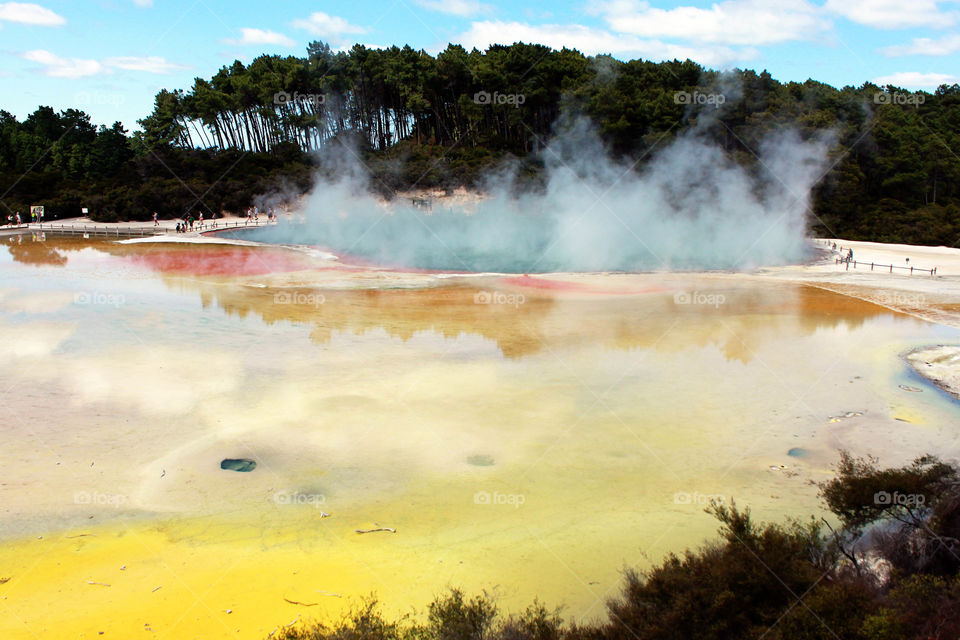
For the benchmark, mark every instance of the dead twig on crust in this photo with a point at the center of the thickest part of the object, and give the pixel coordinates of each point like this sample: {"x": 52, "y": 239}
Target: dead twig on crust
{"x": 303, "y": 604}
{"x": 387, "y": 529}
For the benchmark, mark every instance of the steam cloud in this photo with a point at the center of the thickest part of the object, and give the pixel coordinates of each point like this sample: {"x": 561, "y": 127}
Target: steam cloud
{"x": 692, "y": 207}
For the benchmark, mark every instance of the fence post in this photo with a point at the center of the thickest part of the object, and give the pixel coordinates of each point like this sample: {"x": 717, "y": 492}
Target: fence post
{"x": 911, "y": 270}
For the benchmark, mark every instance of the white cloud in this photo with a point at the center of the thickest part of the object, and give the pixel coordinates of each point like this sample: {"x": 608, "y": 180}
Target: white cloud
{"x": 57, "y": 67}
{"x": 332, "y": 28}
{"x": 925, "y": 47}
{"x": 894, "y": 14}
{"x": 733, "y": 22}
{"x": 260, "y": 37}
{"x": 916, "y": 80}
{"x": 593, "y": 41}
{"x": 27, "y": 13}
{"x": 148, "y": 64}
{"x": 463, "y": 8}
{"x": 143, "y": 3}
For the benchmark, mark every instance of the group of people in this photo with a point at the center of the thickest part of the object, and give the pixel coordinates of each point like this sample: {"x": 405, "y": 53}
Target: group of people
{"x": 253, "y": 214}
{"x": 844, "y": 257}
{"x": 186, "y": 223}
{"x": 15, "y": 219}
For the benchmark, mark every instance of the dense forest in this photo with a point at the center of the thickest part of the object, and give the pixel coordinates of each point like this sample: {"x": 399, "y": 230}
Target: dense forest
{"x": 886, "y": 570}
{"x": 418, "y": 120}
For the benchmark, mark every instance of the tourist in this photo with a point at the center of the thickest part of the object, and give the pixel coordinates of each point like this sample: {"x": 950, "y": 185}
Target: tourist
{"x": 156, "y": 219}
{"x": 200, "y": 219}
{"x": 18, "y": 219}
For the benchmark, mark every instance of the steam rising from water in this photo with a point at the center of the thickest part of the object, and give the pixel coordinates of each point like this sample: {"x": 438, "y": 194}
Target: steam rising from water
{"x": 692, "y": 207}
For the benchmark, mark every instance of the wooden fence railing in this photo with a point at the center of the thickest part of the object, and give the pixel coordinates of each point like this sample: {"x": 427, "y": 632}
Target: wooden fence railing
{"x": 876, "y": 266}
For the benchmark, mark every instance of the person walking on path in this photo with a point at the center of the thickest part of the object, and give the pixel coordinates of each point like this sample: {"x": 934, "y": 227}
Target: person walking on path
{"x": 156, "y": 219}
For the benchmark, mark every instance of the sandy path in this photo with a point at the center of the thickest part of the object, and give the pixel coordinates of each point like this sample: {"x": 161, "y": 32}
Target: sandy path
{"x": 168, "y": 225}
{"x": 946, "y": 260}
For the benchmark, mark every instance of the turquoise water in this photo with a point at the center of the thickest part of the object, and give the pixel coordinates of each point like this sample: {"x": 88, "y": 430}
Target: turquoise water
{"x": 522, "y": 243}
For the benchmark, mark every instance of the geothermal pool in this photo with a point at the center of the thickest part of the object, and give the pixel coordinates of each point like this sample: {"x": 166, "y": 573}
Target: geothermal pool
{"x": 526, "y": 435}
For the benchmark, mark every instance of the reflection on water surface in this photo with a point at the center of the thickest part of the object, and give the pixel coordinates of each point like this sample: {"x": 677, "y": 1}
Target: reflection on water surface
{"x": 568, "y": 430}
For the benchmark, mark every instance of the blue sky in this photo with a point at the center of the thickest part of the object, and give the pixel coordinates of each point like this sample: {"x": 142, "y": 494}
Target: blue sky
{"x": 110, "y": 57}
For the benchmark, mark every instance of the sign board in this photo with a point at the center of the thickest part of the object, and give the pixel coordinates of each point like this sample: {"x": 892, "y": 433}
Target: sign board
{"x": 84, "y": 210}
{"x": 36, "y": 211}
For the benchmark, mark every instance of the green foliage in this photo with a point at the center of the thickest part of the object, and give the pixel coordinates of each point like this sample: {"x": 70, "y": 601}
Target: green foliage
{"x": 862, "y": 494}
{"x": 737, "y": 588}
{"x": 443, "y": 121}
{"x": 454, "y": 618}
{"x": 922, "y": 607}
{"x": 449, "y": 617}
{"x": 913, "y": 512}
{"x": 833, "y": 610}
{"x": 65, "y": 163}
